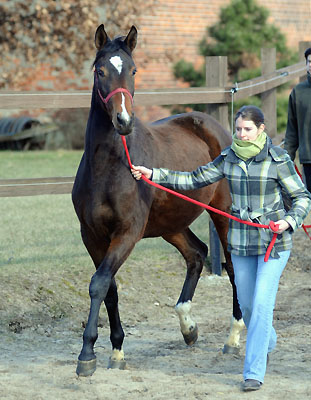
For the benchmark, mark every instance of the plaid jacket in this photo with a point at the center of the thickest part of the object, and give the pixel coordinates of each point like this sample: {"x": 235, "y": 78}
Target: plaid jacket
{"x": 256, "y": 190}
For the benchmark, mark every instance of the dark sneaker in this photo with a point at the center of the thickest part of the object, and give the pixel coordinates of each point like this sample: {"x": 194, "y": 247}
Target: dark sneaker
{"x": 250, "y": 385}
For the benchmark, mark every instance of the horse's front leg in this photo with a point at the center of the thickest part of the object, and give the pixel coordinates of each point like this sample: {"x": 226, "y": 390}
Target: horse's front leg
{"x": 103, "y": 288}
{"x": 98, "y": 290}
{"x": 194, "y": 251}
{"x": 116, "y": 332}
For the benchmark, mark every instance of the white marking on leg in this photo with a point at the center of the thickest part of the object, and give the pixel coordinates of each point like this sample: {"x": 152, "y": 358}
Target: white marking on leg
{"x": 117, "y": 62}
{"x": 186, "y": 322}
{"x": 117, "y": 355}
{"x": 235, "y": 331}
{"x": 124, "y": 115}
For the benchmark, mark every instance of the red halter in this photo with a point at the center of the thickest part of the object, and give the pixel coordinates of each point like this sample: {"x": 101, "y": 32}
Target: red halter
{"x": 118, "y": 90}
{"x": 108, "y": 97}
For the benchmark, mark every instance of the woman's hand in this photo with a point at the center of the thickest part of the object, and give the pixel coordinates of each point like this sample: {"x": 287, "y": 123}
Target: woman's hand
{"x": 283, "y": 225}
{"x": 138, "y": 171}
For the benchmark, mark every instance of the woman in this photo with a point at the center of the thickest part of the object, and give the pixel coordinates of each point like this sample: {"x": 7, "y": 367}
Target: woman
{"x": 257, "y": 172}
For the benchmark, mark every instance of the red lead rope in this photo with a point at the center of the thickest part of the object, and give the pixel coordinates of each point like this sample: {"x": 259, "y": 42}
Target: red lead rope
{"x": 304, "y": 227}
{"x": 274, "y": 227}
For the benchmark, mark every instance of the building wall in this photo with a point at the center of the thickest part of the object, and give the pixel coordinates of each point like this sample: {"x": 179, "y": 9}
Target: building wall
{"x": 172, "y": 32}
{"x": 169, "y": 32}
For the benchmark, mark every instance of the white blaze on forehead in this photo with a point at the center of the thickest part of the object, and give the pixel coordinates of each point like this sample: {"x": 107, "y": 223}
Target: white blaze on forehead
{"x": 124, "y": 114}
{"x": 117, "y": 62}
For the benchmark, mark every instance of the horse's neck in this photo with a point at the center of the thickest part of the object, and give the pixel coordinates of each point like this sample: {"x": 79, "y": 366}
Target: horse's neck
{"x": 99, "y": 128}
{"x": 103, "y": 145}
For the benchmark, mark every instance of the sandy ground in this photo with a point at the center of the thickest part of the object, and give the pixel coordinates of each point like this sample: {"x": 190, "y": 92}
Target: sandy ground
{"x": 39, "y": 362}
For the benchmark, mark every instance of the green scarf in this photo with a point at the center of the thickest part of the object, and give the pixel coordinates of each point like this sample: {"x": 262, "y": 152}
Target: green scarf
{"x": 246, "y": 149}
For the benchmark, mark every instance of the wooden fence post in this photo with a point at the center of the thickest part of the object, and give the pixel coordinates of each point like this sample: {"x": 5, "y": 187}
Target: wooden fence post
{"x": 268, "y": 98}
{"x": 303, "y": 46}
{"x": 214, "y": 249}
{"x": 216, "y": 76}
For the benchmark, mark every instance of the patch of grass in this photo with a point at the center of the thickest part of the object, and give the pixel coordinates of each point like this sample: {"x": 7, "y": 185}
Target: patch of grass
{"x": 38, "y": 164}
{"x": 72, "y": 287}
{"x": 39, "y": 230}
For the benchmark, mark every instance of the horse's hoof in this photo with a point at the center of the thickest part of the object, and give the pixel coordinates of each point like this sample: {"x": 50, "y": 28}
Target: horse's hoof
{"x": 230, "y": 349}
{"x": 116, "y": 364}
{"x": 86, "y": 368}
{"x": 192, "y": 337}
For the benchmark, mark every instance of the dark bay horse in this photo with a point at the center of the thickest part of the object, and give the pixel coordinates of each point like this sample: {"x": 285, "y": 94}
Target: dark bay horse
{"x": 116, "y": 211}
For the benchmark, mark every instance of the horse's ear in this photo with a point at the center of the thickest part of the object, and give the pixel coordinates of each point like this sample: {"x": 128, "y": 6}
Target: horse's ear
{"x": 101, "y": 37}
{"x": 131, "y": 38}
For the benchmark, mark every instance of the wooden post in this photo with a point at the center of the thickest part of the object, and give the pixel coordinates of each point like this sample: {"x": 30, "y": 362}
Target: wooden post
{"x": 268, "y": 98}
{"x": 216, "y": 76}
{"x": 214, "y": 249}
{"x": 303, "y": 46}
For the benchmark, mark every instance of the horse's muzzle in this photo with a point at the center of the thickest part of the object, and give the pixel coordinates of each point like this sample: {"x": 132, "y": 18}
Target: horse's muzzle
{"x": 124, "y": 126}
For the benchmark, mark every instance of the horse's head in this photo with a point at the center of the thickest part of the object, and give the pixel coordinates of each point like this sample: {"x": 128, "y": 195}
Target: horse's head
{"x": 114, "y": 71}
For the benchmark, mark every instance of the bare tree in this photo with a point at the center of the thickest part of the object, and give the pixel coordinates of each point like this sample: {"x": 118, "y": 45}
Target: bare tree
{"x": 57, "y": 33}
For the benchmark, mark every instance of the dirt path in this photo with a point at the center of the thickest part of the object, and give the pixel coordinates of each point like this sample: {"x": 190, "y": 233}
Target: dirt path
{"x": 39, "y": 362}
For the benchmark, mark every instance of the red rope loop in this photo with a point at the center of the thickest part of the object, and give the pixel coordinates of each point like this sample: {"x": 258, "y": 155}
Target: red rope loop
{"x": 274, "y": 227}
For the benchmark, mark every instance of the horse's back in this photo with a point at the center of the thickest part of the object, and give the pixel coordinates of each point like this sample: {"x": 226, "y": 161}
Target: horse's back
{"x": 189, "y": 139}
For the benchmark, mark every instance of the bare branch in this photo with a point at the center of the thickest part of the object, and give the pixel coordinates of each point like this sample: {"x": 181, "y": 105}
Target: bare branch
{"x": 57, "y": 33}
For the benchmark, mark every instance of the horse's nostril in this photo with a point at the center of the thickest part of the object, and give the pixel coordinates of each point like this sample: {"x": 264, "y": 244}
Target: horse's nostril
{"x": 120, "y": 119}
{"x": 124, "y": 122}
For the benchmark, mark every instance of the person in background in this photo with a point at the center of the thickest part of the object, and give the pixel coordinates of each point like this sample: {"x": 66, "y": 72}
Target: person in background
{"x": 298, "y": 130}
{"x": 257, "y": 173}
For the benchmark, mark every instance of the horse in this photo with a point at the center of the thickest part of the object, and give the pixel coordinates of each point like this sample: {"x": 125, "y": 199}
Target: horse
{"x": 116, "y": 211}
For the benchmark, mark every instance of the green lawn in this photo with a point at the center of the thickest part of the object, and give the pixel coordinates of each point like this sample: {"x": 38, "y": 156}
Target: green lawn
{"x": 38, "y": 164}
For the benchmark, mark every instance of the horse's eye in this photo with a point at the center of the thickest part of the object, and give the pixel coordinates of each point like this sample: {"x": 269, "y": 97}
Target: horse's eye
{"x": 100, "y": 72}
{"x": 134, "y": 71}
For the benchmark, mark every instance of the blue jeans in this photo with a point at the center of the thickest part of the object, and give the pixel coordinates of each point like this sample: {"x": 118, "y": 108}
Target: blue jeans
{"x": 257, "y": 285}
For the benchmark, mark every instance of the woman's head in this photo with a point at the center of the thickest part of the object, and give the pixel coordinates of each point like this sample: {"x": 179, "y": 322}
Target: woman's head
{"x": 249, "y": 123}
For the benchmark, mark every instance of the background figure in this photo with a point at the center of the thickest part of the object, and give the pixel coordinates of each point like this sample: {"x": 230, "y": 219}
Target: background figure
{"x": 298, "y": 131}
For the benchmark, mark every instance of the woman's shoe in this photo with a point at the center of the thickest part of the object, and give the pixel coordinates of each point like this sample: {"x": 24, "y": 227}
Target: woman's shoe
{"x": 250, "y": 385}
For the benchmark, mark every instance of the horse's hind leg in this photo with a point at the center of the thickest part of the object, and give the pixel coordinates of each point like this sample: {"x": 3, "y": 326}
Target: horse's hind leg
{"x": 194, "y": 251}
{"x": 232, "y": 344}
